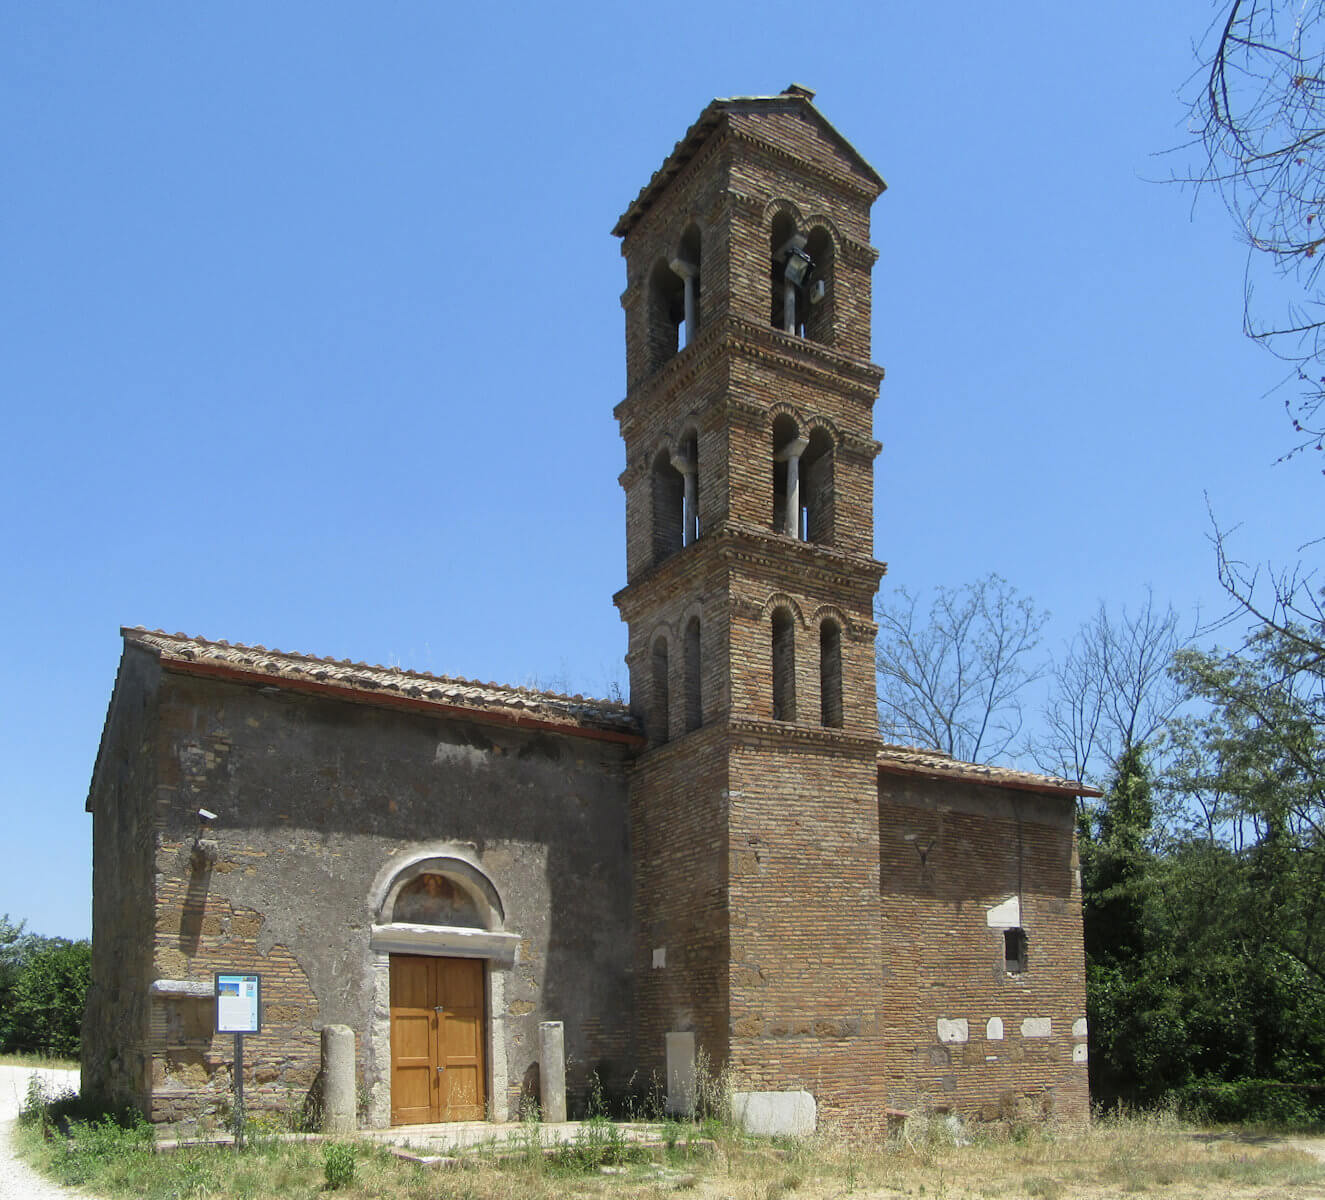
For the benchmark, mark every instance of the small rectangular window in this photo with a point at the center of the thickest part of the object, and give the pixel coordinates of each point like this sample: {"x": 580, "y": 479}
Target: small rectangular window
{"x": 1014, "y": 951}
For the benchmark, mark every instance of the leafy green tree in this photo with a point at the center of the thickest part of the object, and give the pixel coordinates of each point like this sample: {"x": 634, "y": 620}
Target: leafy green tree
{"x": 1242, "y": 885}
{"x": 1255, "y": 769}
{"x": 15, "y": 948}
{"x": 1134, "y": 1004}
{"x": 47, "y": 1001}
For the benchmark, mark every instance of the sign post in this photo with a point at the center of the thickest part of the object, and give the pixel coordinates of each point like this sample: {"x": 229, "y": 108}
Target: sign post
{"x": 238, "y": 1011}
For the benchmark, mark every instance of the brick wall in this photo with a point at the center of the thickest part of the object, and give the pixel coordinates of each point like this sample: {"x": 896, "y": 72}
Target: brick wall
{"x": 948, "y": 854}
{"x": 678, "y": 806}
{"x": 806, "y": 961}
{"x": 755, "y": 840}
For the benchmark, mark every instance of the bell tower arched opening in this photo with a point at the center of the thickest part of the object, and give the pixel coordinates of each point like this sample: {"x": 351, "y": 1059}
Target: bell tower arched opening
{"x": 667, "y": 294}
{"x": 816, "y": 495}
{"x": 668, "y": 507}
{"x": 819, "y": 287}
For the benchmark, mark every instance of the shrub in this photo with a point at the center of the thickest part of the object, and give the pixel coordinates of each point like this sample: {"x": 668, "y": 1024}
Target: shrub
{"x": 91, "y": 1146}
{"x": 1262, "y": 1101}
{"x": 338, "y": 1165}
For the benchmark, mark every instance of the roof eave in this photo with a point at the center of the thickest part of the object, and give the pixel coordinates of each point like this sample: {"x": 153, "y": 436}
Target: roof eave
{"x": 704, "y": 127}
{"x": 1047, "y": 787}
{"x": 245, "y": 675}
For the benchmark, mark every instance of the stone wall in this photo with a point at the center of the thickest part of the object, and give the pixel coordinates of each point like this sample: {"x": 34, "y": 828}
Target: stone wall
{"x": 116, "y": 1058}
{"x": 316, "y": 799}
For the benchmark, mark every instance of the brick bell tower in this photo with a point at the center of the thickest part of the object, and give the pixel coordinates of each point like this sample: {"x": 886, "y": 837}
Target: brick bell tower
{"x": 748, "y": 425}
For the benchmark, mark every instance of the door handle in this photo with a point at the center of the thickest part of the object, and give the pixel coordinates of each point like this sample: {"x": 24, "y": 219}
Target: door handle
{"x": 440, "y": 1008}
{"x": 441, "y": 1069}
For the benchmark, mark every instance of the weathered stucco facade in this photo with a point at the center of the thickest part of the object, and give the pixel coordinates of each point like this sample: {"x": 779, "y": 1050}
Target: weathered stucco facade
{"x": 323, "y": 799}
{"x": 735, "y": 857}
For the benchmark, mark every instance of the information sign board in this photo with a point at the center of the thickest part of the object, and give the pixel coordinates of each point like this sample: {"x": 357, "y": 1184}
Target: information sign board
{"x": 238, "y": 1003}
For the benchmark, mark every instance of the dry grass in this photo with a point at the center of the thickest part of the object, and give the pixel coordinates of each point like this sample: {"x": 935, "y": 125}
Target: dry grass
{"x": 36, "y": 1060}
{"x": 1136, "y": 1156}
{"x": 1147, "y": 1155}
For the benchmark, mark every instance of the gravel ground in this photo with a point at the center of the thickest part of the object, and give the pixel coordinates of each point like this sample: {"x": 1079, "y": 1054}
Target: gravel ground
{"x": 17, "y": 1182}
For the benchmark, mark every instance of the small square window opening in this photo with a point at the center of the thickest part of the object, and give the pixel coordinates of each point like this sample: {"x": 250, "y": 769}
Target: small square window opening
{"x": 1014, "y": 951}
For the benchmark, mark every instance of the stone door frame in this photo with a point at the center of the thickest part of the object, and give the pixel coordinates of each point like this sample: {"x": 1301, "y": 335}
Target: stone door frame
{"x": 496, "y": 945}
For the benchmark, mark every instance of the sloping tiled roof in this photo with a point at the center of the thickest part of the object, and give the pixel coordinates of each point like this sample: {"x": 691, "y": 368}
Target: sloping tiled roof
{"x": 390, "y": 686}
{"x": 934, "y": 764}
{"x": 794, "y": 97}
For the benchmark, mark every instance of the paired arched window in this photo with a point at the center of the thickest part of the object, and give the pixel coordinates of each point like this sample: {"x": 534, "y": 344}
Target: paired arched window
{"x": 674, "y": 299}
{"x": 674, "y": 497}
{"x": 801, "y": 274}
{"x": 783, "y": 628}
{"x": 803, "y": 490}
{"x": 815, "y": 523}
{"x": 660, "y": 699}
{"x": 667, "y": 487}
{"x": 666, "y": 313}
{"x": 693, "y": 678}
{"x": 830, "y": 675}
{"x": 784, "y": 666}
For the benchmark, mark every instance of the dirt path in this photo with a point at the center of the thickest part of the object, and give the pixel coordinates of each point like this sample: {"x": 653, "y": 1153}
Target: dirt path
{"x": 17, "y": 1181}
{"x": 1315, "y": 1146}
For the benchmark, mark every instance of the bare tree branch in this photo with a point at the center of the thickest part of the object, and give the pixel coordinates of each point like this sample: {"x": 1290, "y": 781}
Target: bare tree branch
{"x": 952, "y": 679}
{"x": 1111, "y": 690}
{"x": 1261, "y": 119}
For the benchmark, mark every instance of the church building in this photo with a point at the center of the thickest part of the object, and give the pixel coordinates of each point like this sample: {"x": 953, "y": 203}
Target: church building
{"x": 732, "y": 868}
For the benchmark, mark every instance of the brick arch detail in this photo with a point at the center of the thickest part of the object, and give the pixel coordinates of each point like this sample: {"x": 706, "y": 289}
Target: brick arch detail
{"x": 784, "y": 408}
{"x": 694, "y": 609}
{"x": 778, "y": 600}
{"x": 780, "y": 204}
{"x": 825, "y": 222}
{"x": 664, "y": 630}
{"x": 828, "y": 426}
{"x": 666, "y": 444}
{"x": 831, "y": 612}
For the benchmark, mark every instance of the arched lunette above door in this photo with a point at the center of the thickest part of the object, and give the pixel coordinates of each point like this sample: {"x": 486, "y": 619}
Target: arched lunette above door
{"x": 444, "y": 905}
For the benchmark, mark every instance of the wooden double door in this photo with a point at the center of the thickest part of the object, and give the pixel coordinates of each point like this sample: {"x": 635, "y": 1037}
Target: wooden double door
{"x": 436, "y": 1040}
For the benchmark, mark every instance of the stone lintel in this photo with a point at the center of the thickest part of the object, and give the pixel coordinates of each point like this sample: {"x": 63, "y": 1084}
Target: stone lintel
{"x": 449, "y": 941}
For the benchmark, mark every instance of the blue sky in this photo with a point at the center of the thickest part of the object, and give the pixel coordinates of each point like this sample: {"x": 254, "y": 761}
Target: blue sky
{"x": 310, "y": 332}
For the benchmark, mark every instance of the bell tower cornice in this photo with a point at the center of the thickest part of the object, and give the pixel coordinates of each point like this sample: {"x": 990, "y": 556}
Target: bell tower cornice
{"x": 738, "y": 338}
{"x": 757, "y": 554}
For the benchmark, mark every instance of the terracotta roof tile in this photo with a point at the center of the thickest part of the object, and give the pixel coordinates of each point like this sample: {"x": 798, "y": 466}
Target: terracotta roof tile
{"x": 375, "y": 680}
{"x": 934, "y": 764}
